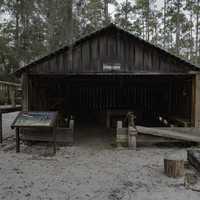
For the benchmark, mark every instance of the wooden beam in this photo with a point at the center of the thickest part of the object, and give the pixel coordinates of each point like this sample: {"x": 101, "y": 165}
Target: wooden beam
{"x": 137, "y": 73}
{"x": 17, "y": 140}
{"x": 169, "y": 133}
{"x": 10, "y": 84}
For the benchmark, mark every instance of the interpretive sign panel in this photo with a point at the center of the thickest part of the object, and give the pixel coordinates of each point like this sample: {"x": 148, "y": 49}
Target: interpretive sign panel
{"x": 35, "y": 119}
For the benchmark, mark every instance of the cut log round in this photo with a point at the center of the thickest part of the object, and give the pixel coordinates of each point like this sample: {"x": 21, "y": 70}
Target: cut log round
{"x": 174, "y": 167}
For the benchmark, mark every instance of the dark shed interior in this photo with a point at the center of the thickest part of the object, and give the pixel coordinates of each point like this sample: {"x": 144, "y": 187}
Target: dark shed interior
{"x": 147, "y": 96}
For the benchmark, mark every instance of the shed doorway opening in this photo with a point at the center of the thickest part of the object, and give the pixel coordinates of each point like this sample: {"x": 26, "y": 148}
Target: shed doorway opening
{"x": 89, "y": 99}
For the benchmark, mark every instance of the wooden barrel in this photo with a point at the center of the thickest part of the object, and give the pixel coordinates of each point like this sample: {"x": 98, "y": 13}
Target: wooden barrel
{"x": 174, "y": 167}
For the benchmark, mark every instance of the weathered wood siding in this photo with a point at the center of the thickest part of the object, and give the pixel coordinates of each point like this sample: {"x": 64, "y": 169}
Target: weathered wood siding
{"x": 77, "y": 94}
{"x": 111, "y": 46}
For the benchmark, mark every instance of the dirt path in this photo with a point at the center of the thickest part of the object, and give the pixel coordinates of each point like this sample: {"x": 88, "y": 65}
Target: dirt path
{"x": 88, "y": 172}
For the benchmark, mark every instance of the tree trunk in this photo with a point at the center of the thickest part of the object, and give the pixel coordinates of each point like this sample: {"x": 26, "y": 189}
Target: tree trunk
{"x": 126, "y": 15}
{"x": 164, "y": 24}
{"x": 50, "y": 33}
{"x": 106, "y": 15}
{"x": 70, "y": 32}
{"x": 69, "y": 22}
{"x": 191, "y": 38}
{"x": 147, "y": 20}
{"x": 178, "y": 28}
{"x": 197, "y": 32}
{"x": 17, "y": 44}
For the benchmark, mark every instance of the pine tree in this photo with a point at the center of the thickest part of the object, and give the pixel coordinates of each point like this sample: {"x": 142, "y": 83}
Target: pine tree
{"x": 188, "y": 40}
{"x": 92, "y": 16}
{"x": 124, "y": 14}
{"x": 106, "y": 15}
{"x": 197, "y": 31}
{"x": 143, "y": 7}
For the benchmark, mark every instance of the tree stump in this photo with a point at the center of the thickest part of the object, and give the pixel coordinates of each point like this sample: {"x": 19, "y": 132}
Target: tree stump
{"x": 174, "y": 167}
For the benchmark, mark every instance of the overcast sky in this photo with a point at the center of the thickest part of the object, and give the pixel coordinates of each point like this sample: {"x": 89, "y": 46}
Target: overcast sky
{"x": 159, "y": 4}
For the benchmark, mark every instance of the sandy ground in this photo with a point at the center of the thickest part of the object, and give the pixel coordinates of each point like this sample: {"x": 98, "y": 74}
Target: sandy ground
{"x": 89, "y": 172}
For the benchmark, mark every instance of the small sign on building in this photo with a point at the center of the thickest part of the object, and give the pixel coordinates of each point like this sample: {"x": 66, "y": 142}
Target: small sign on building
{"x": 110, "y": 67}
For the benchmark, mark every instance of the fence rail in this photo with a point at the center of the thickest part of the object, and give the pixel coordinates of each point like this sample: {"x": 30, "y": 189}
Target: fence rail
{"x": 10, "y": 93}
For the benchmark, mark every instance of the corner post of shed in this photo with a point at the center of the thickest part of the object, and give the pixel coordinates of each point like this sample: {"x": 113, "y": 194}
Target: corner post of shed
{"x": 25, "y": 86}
{"x": 196, "y": 101}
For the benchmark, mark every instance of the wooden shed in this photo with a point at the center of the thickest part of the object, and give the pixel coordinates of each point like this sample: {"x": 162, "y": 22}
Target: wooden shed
{"x": 113, "y": 71}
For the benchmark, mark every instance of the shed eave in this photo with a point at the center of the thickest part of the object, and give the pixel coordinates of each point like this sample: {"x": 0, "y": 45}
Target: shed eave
{"x": 23, "y": 69}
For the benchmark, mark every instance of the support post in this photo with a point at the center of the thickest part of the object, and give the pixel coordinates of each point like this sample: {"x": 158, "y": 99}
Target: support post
{"x": 121, "y": 135}
{"x": 108, "y": 119}
{"x": 196, "y": 101}
{"x": 1, "y": 131}
{"x": 17, "y": 141}
{"x": 54, "y": 140}
{"x": 132, "y": 132}
{"x": 71, "y": 124}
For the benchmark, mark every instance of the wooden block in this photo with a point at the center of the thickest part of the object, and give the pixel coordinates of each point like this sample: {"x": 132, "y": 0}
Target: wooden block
{"x": 119, "y": 124}
{"x": 122, "y": 136}
{"x": 132, "y": 142}
{"x": 132, "y": 132}
{"x": 174, "y": 167}
{"x": 71, "y": 124}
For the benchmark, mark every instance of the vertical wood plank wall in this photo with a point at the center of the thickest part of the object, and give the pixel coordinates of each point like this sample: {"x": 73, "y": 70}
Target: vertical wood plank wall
{"x": 75, "y": 94}
{"x": 196, "y": 101}
{"x": 134, "y": 55}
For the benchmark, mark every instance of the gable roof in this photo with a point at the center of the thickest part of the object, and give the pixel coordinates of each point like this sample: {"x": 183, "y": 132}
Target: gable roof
{"x": 95, "y": 33}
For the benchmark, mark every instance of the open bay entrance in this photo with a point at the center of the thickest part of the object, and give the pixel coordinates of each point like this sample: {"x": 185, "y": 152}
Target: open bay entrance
{"x": 89, "y": 99}
{"x": 91, "y": 131}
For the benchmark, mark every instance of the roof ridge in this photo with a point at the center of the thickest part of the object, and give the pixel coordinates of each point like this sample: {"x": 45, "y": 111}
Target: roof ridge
{"x": 86, "y": 36}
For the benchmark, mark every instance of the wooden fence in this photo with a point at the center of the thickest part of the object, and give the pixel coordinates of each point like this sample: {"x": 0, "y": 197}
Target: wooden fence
{"x": 10, "y": 93}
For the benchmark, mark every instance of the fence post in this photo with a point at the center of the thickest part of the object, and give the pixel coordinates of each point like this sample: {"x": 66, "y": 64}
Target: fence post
{"x": 12, "y": 95}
